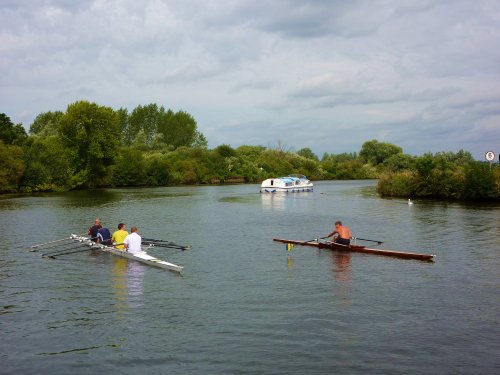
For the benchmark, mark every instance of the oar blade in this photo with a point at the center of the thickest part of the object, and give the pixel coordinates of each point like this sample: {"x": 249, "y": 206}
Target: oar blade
{"x": 367, "y": 239}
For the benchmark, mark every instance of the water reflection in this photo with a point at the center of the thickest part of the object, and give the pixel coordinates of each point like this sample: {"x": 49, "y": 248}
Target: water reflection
{"x": 342, "y": 267}
{"x": 87, "y": 198}
{"x": 343, "y": 275}
{"x": 273, "y": 201}
{"x": 128, "y": 283}
{"x": 247, "y": 198}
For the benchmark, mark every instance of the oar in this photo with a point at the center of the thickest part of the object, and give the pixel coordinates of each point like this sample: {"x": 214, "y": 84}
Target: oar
{"x": 92, "y": 246}
{"x": 53, "y": 255}
{"x": 163, "y": 243}
{"x": 46, "y": 243}
{"x": 365, "y": 239}
{"x": 50, "y": 246}
{"x": 315, "y": 239}
{"x": 154, "y": 244}
{"x": 86, "y": 239}
{"x": 291, "y": 245}
{"x": 159, "y": 241}
{"x": 58, "y": 250}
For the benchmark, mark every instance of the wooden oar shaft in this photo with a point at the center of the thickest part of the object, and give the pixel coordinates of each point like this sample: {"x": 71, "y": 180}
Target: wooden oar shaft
{"x": 50, "y": 242}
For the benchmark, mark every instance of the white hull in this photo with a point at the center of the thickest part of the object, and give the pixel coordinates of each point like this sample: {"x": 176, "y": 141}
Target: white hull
{"x": 142, "y": 257}
{"x": 274, "y": 189}
{"x": 289, "y": 184}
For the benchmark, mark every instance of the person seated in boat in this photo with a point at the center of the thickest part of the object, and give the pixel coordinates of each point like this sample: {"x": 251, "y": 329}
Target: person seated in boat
{"x": 119, "y": 236}
{"x": 94, "y": 229}
{"x": 133, "y": 241}
{"x": 343, "y": 234}
{"x": 104, "y": 236}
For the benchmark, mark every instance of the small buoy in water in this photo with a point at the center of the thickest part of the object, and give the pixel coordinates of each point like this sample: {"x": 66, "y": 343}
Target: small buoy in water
{"x": 409, "y": 201}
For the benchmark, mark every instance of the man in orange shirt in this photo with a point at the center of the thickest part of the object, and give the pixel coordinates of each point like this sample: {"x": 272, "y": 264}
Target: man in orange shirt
{"x": 343, "y": 234}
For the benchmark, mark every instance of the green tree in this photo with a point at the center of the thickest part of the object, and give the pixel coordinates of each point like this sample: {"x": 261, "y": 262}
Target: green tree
{"x": 180, "y": 129}
{"x": 275, "y": 162}
{"x": 157, "y": 170}
{"x": 345, "y": 166}
{"x": 460, "y": 158}
{"x": 123, "y": 126}
{"x": 399, "y": 162}
{"x": 145, "y": 119}
{"x": 129, "y": 169}
{"x": 337, "y": 158}
{"x": 93, "y": 132}
{"x": 46, "y": 123}
{"x": 376, "y": 152}
{"x": 11, "y": 167}
{"x": 400, "y": 184}
{"x": 251, "y": 153}
{"x": 225, "y": 151}
{"x": 200, "y": 140}
{"x": 48, "y": 164}
{"x": 479, "y": 181}
{"x": 11, "y": 134}
{"x": 307, "y": 153}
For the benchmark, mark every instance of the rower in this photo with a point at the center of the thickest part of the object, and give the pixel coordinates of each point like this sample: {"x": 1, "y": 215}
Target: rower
{"x": 133, "y": 241}
{"x": 94, "y": 229}
{"x": 104, "y": 236}
{"x": 343, "y": 234}
{"x": 119, "y": 236}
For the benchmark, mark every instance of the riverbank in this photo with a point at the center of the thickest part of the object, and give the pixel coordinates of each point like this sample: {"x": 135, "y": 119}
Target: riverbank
{"x": 93, "y": 146}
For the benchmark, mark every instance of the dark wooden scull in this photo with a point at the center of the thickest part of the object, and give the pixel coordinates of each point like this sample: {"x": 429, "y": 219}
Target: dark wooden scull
{"x": 360, "y": 249}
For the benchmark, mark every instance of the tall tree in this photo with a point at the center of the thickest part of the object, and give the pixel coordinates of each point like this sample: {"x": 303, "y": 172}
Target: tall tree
{"x": 93, "y": 131}
{"x": 123, "y": 125}
{"x": 307, "y": 153}
{"x": 376, "y": 152}
{"x": 11, "y": 134}
{"x": 48, "y": 164}
{"x": 146, "y": 119}
{"x": 46, "y": 123}
{"x": 180, "y": 129}
{"x": 11, "y": 167}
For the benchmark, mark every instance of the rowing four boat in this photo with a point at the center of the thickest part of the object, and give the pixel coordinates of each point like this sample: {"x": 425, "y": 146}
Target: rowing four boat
{"x": 142, "y": 256}
{"x": 360, "y": 249}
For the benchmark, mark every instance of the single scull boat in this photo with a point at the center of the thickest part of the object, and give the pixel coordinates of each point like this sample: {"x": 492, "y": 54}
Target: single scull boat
{"x": 359, "y": 249}
{"x": 142, "y": 257}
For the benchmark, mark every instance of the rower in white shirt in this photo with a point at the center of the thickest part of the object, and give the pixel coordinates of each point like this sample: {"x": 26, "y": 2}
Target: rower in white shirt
{"x": 133, "y": 241}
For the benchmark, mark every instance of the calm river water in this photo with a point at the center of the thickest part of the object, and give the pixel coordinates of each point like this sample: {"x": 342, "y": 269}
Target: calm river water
{"x": 244, "y": 304}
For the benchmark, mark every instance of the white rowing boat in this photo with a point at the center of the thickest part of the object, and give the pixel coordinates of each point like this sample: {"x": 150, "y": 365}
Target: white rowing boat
{"x": 142, "y": 257}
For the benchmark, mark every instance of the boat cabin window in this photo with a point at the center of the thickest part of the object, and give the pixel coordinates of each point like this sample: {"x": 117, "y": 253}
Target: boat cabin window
{"x": 272, "y": 182}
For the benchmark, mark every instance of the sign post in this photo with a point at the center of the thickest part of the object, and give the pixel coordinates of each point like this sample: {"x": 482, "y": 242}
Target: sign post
{"x": 490, "y": 156}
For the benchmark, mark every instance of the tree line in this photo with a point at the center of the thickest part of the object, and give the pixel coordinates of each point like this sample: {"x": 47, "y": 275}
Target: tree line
{"x": 92, "y": 146}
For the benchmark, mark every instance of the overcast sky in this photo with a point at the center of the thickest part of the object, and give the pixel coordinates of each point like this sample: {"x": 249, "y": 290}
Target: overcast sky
{"x": 328, "y": 75}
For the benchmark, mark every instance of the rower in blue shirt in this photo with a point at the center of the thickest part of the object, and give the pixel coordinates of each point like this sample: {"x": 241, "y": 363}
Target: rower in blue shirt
{"x": 104, "y": 236}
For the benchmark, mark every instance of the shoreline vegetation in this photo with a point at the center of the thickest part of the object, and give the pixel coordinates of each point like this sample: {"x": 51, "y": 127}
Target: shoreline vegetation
{"x": 93, "y": 146}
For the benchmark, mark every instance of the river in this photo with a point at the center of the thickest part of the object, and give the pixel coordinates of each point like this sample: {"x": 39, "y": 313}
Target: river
{"x": 244, "y": 304}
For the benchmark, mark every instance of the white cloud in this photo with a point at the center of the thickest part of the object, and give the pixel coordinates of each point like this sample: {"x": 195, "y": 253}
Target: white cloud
{"x": 327, "y": 75}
